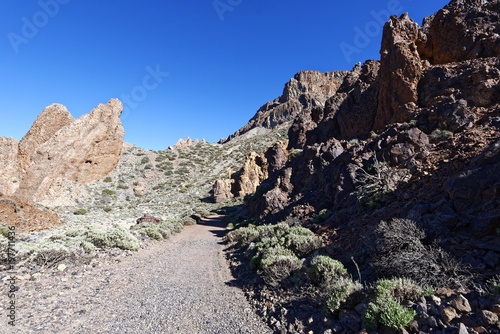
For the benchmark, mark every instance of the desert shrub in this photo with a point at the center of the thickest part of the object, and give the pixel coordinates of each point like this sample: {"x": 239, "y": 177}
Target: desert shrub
{"x": 80, "y": 211}
{"x": 108, "y": 192}
{"x": 5, "y": 231}
{"x": 493, "y": 286}
{"x": 87, "y": 246}
{"x": 49, "y": 257}
{"x": 399, "y": 288}
{"x": 302, "y": 241}
{"x": 108, "y": 179}
{"x": 322, "y": 216}
{"x": 400, "y": 251}
{"x": 144, "y": 160}
{"x": 148, "y": 166}
{"x": 275, "y": 249}
{"x": 324, "y": 269}
{"x": 159, "y": 231}
{"x": 385, "y": 308}
{"x": 243, "y": 235}
{"x": 278, "y": 263}
{"x": 122, "y": 186}
{"x": 340, "y": 291}
{"x": 151, "y": 231}
{"x": 114, "y": 237}
{"x": 394, "y": 315}
{"x": 375, "y": 183}
{"x": 439, "y": 135}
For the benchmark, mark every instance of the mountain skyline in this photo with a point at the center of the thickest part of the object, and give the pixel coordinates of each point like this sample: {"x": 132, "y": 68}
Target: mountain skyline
{"x": 200, "y": 71}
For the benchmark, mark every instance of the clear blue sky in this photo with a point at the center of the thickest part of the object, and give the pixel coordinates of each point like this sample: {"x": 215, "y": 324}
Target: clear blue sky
{"x": 214, "y": 62}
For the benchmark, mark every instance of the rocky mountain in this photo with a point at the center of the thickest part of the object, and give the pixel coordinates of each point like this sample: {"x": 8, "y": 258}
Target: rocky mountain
{"x": 307, "y": 89}
{"x": 398, "y": 173}
{"x": 60, "y": 153}
{"x": 418, "y": 130}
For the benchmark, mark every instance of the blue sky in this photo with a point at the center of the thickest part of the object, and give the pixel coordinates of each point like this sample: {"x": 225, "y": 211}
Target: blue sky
{"x": 183, "y": 68}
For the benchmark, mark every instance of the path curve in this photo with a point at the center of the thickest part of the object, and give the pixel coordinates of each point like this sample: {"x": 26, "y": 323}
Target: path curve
{"x": 178, "y": 286}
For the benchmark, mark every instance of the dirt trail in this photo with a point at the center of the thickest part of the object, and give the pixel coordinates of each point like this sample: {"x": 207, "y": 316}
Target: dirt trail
{"x": 182, "y": 285}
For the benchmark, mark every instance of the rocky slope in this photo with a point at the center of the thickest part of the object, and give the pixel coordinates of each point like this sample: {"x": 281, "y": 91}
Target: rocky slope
{"x": 410, "y": 140}
{"x": 307, "y": 89}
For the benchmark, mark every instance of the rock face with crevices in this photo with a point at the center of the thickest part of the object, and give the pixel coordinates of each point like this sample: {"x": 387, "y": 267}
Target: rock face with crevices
{"x": 60, "y": 153}
{"x": 9, "y": 176}
{"x": 306, "y": 90}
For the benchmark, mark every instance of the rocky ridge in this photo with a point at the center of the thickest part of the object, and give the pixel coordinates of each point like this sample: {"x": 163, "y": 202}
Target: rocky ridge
{"x": 411, "y": 140}
{"x": 307, "y": 89}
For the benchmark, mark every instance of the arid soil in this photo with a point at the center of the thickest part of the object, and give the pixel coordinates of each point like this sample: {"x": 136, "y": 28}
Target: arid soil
{"x": 182, "y": 285}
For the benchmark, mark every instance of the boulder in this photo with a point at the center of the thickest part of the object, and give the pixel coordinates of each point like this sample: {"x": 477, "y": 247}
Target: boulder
{"x": 221, "y": 190}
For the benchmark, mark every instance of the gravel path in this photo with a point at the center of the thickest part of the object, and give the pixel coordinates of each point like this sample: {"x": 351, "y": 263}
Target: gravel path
{"x": 179, "y": 286}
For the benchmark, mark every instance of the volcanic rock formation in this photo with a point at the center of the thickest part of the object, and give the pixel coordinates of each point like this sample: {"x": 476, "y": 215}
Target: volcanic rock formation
{"x": 59, "y": 152}
{"x": 307, "y": 89}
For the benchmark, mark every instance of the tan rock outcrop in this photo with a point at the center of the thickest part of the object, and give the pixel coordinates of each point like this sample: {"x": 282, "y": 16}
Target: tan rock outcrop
{"x": 221, "y": 191}
{"x": 254, "y": 171}
{"x": 82, "y": 151}
{"x": 9, "y": 171}
{"x": 52, "y": 119}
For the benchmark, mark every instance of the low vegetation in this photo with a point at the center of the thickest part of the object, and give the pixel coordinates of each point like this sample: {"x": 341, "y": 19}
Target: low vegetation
{"x": 276, "y": 250}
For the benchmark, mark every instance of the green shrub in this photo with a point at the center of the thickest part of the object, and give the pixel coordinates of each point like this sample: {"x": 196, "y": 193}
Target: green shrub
{"x": 87, "y": 246}
{"x": 152, "y": 232}
{"x": 399, "y": 288}
{"x": 276, "y": 249}
{"x": 108, "y": 179}
{"x": 80, "y": 212}
{"x": 385, "y": 309}
{"x": 160, "y": 231}
{"x": 277, "y": 263}
{"x": 5, "y": 231}
{"x": 144, "y": 160}
{"x": 243, "y": 235}
{"x": 113, "y": 237}
{"x": 493, "y": 285}
{"x": 108, "y": 192}
{"x": 324, "y": 270}
{"x": 394, "y": 315}
{"x": 302, "y": 241}
{"x": 340, "y": 291}
{"x": 370, "y": 318}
